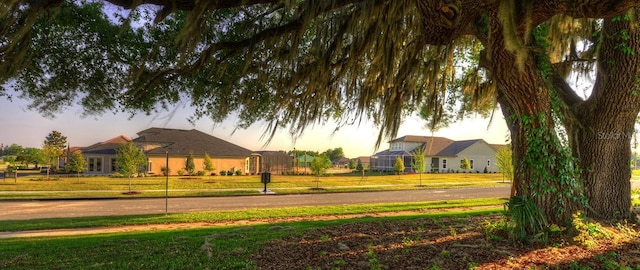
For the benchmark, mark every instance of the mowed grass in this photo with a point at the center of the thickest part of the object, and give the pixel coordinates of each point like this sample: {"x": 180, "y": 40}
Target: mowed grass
{"x": 209, "y": 248}
{"x": 222, "y": 216}
{"x": 37, "y": 186}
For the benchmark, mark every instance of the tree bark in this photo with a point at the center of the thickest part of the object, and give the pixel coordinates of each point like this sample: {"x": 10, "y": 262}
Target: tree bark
{"x": 602, "y": 127}
{"x": 541, "y": 172}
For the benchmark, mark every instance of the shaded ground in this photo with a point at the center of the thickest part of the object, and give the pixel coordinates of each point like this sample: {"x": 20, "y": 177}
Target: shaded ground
{"x": 449, "y": 243}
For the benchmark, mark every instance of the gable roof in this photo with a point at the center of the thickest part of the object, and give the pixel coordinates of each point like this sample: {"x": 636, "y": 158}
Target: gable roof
{"x": 180, "y": 141}
{"x": 107, "y": 147}
{"x": 435, "y": 146}
{"x": 456, "y": 147}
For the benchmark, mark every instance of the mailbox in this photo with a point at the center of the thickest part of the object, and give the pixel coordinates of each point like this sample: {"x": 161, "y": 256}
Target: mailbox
{"x": 265, "y": 177}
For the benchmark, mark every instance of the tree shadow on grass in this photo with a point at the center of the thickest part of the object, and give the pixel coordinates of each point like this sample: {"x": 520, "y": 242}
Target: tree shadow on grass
{"x": 437, "y": 243}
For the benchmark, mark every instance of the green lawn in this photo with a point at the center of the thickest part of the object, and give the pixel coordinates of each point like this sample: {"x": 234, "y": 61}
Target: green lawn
{"x": 217, "y": 247}
{"x": 36, "y": 186}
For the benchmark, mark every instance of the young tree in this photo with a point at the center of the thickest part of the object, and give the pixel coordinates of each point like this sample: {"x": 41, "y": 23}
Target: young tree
{"x": 190, "y": 167}
{"x": 77, "y": 164}
{"x": 319, "y": 166}
{"x": 56, "y": 144}
{"x": 465, "y": 166}
{"x": 352, "y": 164}
{"x": 359, "y": 167}
{"x": 130, "y": 159}
{"x": 419, "y": 163}
{"x": 208, "y": 164}
{"x": 504, "y": 162}
{"x": 51, "y": 155}
{"x": 398, "y": 166}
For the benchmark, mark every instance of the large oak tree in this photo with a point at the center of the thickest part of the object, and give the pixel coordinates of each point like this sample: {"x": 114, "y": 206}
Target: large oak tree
{"x": 296, "y": 63}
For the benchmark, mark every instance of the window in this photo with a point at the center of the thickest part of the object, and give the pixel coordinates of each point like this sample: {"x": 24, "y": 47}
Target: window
{"x": 95, "y": 165}
{"x": 471, "y": 163}
{"x": 114, "y": 166}
{"x": 444, "y": 163}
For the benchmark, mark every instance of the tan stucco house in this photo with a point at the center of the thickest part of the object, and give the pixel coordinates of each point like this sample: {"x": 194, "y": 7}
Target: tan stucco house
{"x": 162, "y": 145}
{"x": 157, "y": 143}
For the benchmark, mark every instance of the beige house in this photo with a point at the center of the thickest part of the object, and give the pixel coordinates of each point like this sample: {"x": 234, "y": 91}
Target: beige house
{"x": 101, "y": 157}
{"x": 441, "y": 154}
{"x": 173, "y": 146}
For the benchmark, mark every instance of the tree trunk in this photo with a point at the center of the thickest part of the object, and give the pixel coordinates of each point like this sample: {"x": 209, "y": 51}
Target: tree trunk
{"x": 541, "y": 172}
{"x": 603, "y": 127}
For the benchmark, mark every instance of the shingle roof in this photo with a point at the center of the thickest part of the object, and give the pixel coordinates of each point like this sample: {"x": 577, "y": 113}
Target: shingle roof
{"x": 107, "y": 147}
{"x": 432, "y": 145}
{"x": 179, "y": 141}
{"x": 456, "y": 147}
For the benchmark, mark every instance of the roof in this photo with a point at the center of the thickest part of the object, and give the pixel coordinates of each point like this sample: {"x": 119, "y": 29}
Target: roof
{"x": 363, "y": 159}
{"x": 107, "y": 147}
{"x": 456, "y": 147}
{"x": 432, "y": 145}
{"x": 435, "y": 146}
{"x": 180, "y": 141}
{"x": 343, "y": 160}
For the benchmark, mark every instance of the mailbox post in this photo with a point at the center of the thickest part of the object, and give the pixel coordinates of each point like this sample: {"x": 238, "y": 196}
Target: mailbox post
{"x": 265, "y": 178}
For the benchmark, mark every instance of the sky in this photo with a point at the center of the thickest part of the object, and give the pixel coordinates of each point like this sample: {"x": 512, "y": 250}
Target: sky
{"x": 28, "y": 128}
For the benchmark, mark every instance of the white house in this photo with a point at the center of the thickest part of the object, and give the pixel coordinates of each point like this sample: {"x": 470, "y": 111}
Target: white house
{"x": 441, "y": 154}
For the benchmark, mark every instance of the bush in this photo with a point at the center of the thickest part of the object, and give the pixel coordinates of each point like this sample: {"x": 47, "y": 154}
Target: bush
{"x": 116, "y": 175}
{"x": 223, "y": 173}
{"x": 181, "y": 172}
{"x": 200, "y": 173}
{"x": 238, "y": 172}
{"x": 230, "y": 173}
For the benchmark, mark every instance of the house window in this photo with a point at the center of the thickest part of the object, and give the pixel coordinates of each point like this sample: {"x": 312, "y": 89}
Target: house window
{"x": 114, "y": 166}
{"x": 471, "y": 163}
{"x": 95, "y": 164}
{"x": 444, "y": 163}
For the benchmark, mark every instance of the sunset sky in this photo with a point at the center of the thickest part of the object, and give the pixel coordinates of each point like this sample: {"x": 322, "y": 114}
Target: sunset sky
{"x": 28, "y": 128}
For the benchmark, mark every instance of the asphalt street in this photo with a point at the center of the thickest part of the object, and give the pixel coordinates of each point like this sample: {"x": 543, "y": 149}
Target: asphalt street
{"x": 35, "y": 209}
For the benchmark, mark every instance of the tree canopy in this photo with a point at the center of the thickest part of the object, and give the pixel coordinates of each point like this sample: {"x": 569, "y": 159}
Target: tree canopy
{"x": 298, "y": 63}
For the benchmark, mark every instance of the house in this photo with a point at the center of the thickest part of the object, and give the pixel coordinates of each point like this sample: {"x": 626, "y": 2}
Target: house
{"x": 441, "y": 154}
{"x": 365, "y": 161}
{"x": 101, "y": 157}
{"x": 341, "y": 162}
{"x": 171, "y": 147}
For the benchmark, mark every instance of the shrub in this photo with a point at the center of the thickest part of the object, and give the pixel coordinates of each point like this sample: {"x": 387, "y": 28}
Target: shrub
{"x": 181, "y": 172}
{"x": 230, "y": 173}
{"x": 238, "y": 172}
{"x": 223, "y": 173}
{"x": 200, "y": 173}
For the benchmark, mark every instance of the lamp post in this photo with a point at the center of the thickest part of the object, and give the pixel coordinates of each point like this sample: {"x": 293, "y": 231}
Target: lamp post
{"x": 166, "y": 194}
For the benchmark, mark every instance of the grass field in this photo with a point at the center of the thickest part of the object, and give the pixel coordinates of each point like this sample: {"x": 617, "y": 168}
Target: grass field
{"x": 36, "y": 186}
{"x": 217, "y": 247}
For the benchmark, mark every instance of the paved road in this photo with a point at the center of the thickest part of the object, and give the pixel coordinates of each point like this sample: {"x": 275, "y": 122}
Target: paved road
{"x": 24, "y": 210}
